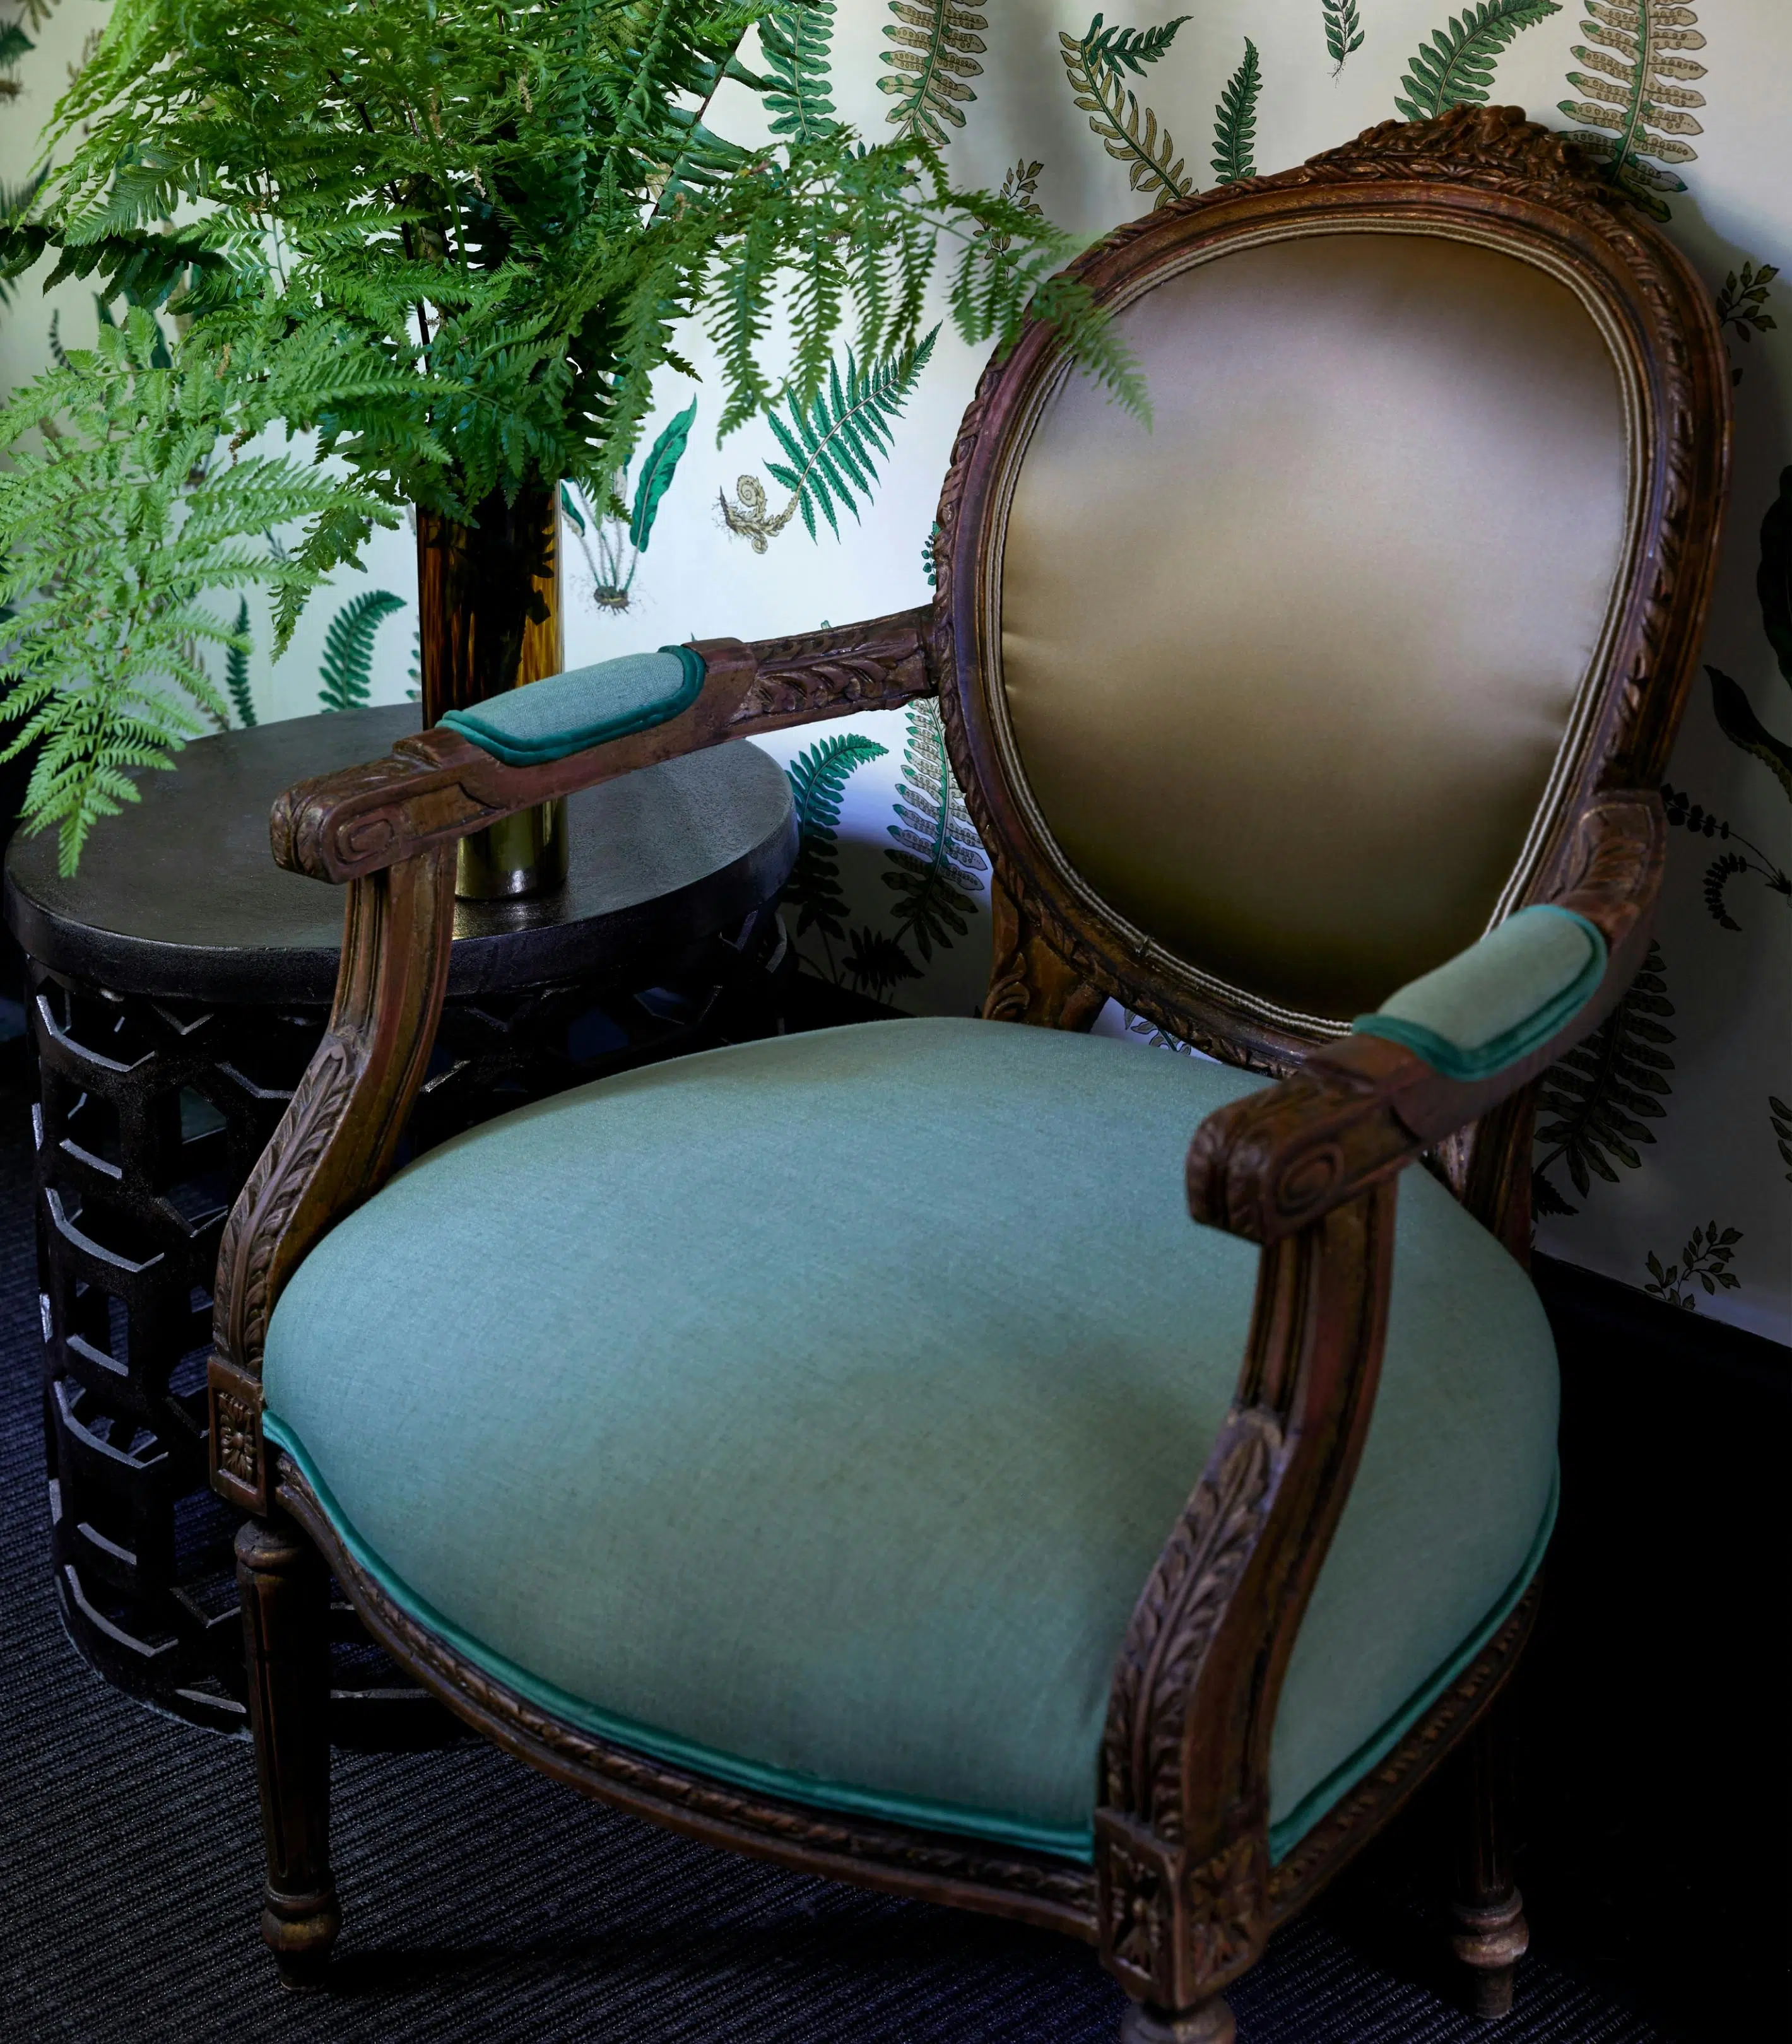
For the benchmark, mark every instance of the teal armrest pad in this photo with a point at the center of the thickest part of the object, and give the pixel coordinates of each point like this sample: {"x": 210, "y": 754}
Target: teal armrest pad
{"x": 567, "y": 714}
{"x": 1499, "y": 1000}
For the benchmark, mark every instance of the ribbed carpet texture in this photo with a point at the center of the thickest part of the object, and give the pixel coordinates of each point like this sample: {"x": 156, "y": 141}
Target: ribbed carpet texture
{"x": 485, "y": 1903}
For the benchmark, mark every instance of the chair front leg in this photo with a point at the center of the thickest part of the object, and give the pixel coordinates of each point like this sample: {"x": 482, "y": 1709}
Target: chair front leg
{"x": 285, "y": 1591}
{"x": 1210, "y": 2022}
{"x": 1490, "y": 1934}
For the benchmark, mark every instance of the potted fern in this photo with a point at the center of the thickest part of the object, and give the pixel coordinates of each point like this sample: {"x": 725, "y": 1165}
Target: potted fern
{"x": 456, "y": 242}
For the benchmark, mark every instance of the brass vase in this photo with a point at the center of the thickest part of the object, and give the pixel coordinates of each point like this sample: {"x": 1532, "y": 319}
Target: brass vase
{"x": 489, "y": 598}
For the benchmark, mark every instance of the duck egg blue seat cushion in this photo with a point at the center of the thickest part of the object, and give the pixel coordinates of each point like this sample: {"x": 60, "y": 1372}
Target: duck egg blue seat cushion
{"x": 813, "y": 1411}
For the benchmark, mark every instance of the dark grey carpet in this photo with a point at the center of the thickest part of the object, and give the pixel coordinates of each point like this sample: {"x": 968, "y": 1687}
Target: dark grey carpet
{"x": 485, "y": 1903}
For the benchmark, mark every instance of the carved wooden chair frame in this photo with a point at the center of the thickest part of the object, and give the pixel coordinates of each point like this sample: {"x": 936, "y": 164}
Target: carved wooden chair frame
{"x": 1183, "y": 1894}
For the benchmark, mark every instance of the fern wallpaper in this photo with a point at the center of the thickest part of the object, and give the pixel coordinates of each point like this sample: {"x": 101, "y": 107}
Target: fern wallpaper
{"x": 1664, "y": 1155}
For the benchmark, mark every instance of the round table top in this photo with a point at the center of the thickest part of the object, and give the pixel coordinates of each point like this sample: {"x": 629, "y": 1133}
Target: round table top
{"x": 179, "y": 895}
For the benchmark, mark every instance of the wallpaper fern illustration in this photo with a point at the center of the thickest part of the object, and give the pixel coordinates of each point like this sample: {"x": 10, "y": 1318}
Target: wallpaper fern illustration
{"x": 1635, "y": 83}
{"x": 832, "y": 446}
{"x": 1343, "y": 30}
{"x": 796, "y": 49}
{"x": 818, "y": 776}
{"x": 934, "y": 869}
{"x": 937, "y": 46}
{"x": 1590, "y": 1100}
{"x": 1096, "y": 62}
{"x": 237, "y": 684}
{"x": 347, "y": 674}
{"x": 1455, "y": 67}
{"x": 1235, "y": 120}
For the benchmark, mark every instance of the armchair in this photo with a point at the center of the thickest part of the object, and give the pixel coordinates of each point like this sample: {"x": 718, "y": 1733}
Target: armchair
{"x": 867, "y": 1476}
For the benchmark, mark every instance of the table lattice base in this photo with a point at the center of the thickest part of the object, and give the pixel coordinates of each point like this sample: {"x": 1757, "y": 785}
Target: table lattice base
{"x": 150, "y": 1116}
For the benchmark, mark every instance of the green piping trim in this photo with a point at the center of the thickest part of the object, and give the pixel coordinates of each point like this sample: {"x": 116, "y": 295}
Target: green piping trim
{"x": 1511, "y": 1045}
{"x": 1066, "y": 1840}
{"x": 539, "y": 751}
{"x": 1286, "y": 1833}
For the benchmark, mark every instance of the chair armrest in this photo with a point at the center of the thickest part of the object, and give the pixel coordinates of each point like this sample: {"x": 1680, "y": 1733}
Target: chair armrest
{"x": 1425, "y": 1066}
{"x": 571, "y": 731}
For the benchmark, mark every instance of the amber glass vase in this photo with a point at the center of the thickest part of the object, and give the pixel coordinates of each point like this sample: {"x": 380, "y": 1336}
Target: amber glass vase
{"x": 489, "y": 596}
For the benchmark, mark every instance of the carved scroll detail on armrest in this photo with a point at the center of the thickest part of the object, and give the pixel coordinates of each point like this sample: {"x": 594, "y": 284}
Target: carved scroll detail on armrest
{"x": 879, "y": 665}
{"x": 437, "y": 787}
{"x": 335, "y": 1142}
{"x": 1362, "y": 1108}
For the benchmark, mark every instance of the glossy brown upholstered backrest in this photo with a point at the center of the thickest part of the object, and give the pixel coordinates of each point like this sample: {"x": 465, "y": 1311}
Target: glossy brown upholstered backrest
{"x": 1271, "y": 706}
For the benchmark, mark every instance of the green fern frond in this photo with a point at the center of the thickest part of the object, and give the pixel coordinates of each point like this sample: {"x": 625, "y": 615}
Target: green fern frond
{"x": 1127, "y": 130}
{"x": 347, "y": 673}
{"x": 1635, "y": 79}
{"x": 1343, "y": 30}
{"x": 118, "y": 530}
{"x": 818, "y": 776}
{"x": 1235, "y": 121}
{"x": 935, "y": 868}
{"x": 936, "y": 46}
{"x": 795, "y": 41}
{"x": 237, "y": 668}
{"x": 1593, "y": 1101}
{"x": 1456, "y": 68}
{"x": 832, "y": 446}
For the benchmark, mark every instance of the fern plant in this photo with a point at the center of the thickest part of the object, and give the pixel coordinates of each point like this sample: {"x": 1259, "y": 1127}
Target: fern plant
{"x": 116, "y": 530}
{"x": 1343, "y": 30}
{"x": 1456, "y": 68}
{"x": 456, "y": 239}
{"x": 236, "y": 651}
{"x": 818, "y": 776}
{"x": 1096, "y": 62}
{"x": 1235, "y": 120}
{"x": 1595, "y": 1100}
{"x": 936, "y": 47}
{"x": 347, "y": 673}
{"x": 831, "y": 448}
{"x": 1634, "y": 84}
{"x": 934, "y": 869}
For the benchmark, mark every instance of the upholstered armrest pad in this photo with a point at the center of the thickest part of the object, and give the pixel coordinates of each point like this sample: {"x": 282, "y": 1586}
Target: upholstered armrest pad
{"x": 567, "y": 714}
{"x": 1492, "y": 1005}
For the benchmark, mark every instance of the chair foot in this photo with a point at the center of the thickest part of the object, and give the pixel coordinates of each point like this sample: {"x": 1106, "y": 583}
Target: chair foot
{"x": 299, "y": 1931}
{"x": 1489, "y": 1935}
{"x": 1491, "y": 1938}
{"x": 285, "y": 1591}
{"x": 1211, "y": 2023}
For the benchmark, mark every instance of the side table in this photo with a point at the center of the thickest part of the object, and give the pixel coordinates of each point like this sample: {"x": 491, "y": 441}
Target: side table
{"x": 177, "y": 986}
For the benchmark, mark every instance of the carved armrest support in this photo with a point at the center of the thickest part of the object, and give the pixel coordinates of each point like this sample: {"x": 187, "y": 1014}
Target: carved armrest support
{"x": 1360, "y": 1109}
{"x": 1309, "y": 1168}
{"x": 438, "y": 787}
{"x": 335, "y": 1143}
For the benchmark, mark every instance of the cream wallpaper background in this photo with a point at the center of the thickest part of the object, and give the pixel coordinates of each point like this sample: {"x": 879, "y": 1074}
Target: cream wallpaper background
{"x": 1704, "y": 1214}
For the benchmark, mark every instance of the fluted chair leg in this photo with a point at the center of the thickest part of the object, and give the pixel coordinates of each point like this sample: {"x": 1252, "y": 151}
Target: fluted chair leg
{"x": 285, "y": 1591}
{"x": 1490, "y": 1934}
{"x": 1210, "y": 2022}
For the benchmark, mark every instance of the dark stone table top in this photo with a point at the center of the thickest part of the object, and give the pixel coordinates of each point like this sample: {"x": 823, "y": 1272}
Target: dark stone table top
{"x": 179, "y": 895}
